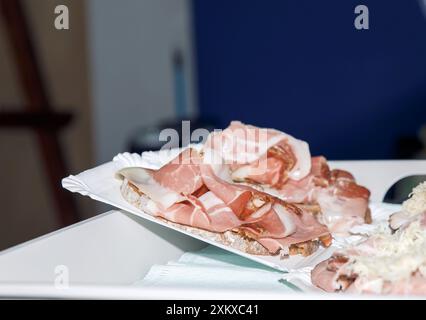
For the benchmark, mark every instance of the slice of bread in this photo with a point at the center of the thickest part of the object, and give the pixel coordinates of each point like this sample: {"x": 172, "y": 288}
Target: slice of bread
{"x": 231, "y": 239}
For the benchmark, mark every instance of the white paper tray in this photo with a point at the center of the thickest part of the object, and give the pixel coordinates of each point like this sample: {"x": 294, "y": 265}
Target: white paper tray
{"x": 100, "y": 184}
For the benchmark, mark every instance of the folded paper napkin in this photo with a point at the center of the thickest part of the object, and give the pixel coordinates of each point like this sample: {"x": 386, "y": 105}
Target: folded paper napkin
{"x": 213, "y": 267}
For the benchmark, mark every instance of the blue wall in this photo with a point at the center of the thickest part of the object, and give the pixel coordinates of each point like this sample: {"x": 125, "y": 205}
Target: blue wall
{"x": 302, "y": 67}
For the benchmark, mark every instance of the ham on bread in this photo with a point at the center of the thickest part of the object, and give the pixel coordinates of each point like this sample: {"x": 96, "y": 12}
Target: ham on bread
{"x": 391, "y": 261}
{"x": 190, "y": 193}
{"x": 281, "y": 165}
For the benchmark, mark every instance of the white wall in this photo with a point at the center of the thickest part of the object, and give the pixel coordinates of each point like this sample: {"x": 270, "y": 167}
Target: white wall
{"x": 131, "y": 42}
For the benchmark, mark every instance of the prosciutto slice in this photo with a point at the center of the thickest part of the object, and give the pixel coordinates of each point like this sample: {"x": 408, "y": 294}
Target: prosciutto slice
{"x": 190, "y": 192}
{"x": 282, "y": 165}
{"x": 234, "y": 196}
{"x": 265, "y": 216}
{"x": 343, "y": 203}
{"x": 182, "y": 174}
{"x": 209, "y": 212}
{"x": 264, "y": 156}
{"x": 305, "y": 190}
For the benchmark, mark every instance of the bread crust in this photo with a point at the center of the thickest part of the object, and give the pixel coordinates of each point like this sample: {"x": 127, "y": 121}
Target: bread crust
{"x": 368, "y": 218}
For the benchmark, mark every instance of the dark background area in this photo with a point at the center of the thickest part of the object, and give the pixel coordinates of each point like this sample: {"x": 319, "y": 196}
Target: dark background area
{"x": 302, "y": 67}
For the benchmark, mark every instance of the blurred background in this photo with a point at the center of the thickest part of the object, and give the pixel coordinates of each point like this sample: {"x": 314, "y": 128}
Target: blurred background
{"x": 72, "y": 99}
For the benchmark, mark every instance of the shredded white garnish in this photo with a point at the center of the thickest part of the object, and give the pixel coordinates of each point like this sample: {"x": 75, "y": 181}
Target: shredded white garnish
{"x": 416, "y": 203}
{"x": 394, "y": 256}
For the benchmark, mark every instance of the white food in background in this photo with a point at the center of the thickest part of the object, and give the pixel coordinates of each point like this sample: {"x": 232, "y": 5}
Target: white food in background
{"x": 416, "y": 204}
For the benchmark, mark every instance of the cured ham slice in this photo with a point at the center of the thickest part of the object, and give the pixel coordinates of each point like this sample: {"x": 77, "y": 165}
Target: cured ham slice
{"x": 304, "y": 226}
{"x": 279, "y": 220}
{"x": 270, "y": 175}
{"x": 210, "y": 213}
{"x": 143, "y": 180}
{"x": 264, "y": 156}
{"x": 234, "y": 196}
{"x": 305, "y": 190}
{"x": 276, "y": 223}
{"x": 203, "y": 200}
{"x": 182, "y": 174}
{"x": 341, "y": 212}
{"x": 282, "y": 166}
{"x": 342, "y": 201}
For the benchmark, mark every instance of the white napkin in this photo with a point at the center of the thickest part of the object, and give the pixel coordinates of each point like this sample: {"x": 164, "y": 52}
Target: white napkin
{"x": 213, "y": 267}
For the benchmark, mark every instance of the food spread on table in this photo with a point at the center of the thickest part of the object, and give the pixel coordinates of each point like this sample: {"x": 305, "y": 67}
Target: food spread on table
{"x": 390, "y": 261}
